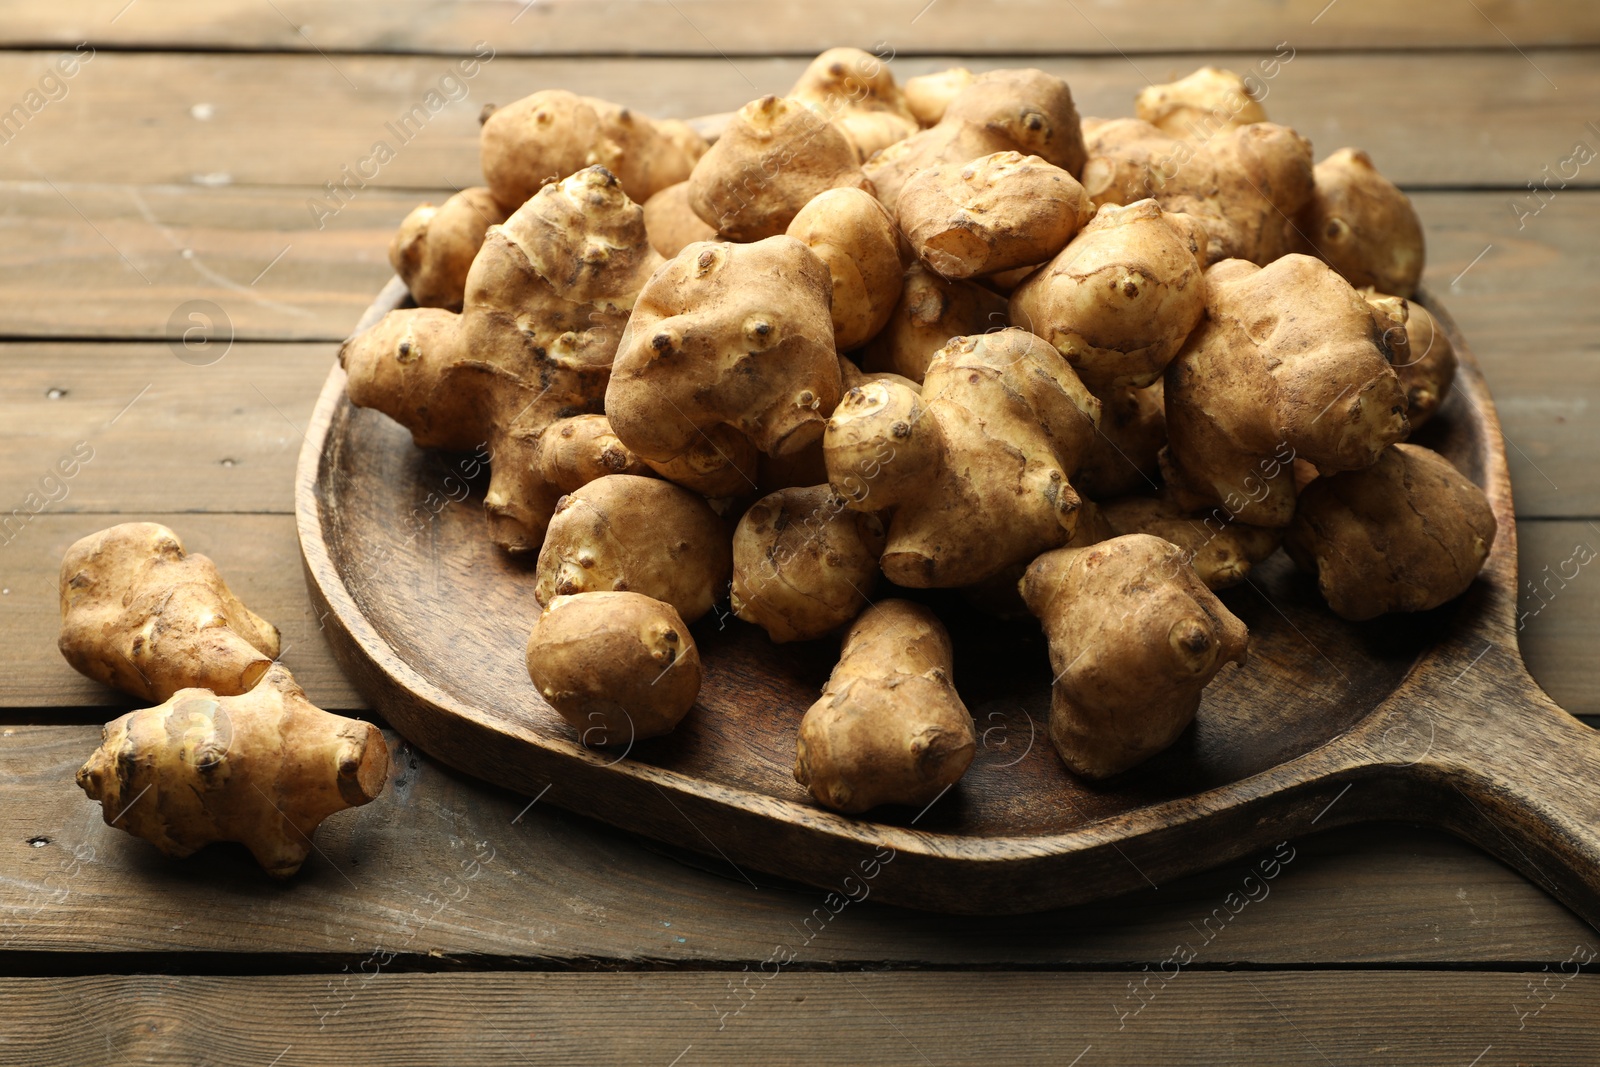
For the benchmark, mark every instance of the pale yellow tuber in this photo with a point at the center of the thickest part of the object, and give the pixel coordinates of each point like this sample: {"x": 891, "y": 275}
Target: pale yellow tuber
{"x": 727, "y": 335}
{"x": 931, "y": 310}
{"x": 856, "y": 91}
{"x": 927, "y": 95}
{"x": 1198, "y": 107}
{"x": 1119, "y": 300}
{"x": 775, "y": 156}
{"x": 855, "y": 237}
{"x": 1363, "y": 225}
{"x": 1289, "y": 363}
{"x": 672, "y": 223}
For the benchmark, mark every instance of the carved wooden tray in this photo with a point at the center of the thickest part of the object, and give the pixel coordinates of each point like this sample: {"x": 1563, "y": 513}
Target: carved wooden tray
{"x": 1427, "y": 718}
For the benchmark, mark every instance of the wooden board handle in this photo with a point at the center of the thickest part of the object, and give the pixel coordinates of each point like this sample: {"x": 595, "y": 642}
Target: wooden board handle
{"x": 1520, "y": 777}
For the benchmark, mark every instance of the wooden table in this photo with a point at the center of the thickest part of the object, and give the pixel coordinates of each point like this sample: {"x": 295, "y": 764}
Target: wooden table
{"x": 184, "y": 160}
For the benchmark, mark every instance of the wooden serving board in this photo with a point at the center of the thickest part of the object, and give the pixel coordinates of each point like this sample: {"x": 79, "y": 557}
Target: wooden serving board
{"x": 1427, "y": 718}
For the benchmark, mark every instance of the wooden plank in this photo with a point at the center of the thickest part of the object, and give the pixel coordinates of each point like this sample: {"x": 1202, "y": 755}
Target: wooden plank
{"x": 1559, "y": 601}
{"x": 1524, "y": 293}
{"x": 556, "y": 890}
{"x": 707, "y": 27}
{"x": 885, "y": 1019}
{"x": 166, "y": 436}
{"x": 257, "y": 554}
{"x": 1456, "y": 118}
{"x": 128, "y": 261}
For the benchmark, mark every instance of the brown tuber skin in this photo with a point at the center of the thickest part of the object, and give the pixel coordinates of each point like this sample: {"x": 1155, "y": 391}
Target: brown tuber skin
{"x": 1245, "y": 185}
{"x": 618, "y": 667}
{"x": 552, "y": 134}
{"x": 1363, "y": 225}
{"x": 991, "y": 214}
{"x": 1119, "y": 300}
{"x": 629, "y": 534}
{"x": 1135, "y": 636}
{"x": 974, "y": 473}
{"x": 775, "y": 156}
{"x": 1221, "y": 551}
{"x": 856, "y": 91}
{"x": 855, "y": 237}
{"x": 931, "y": 310}
{"x": 263, "y": 768}
{"x": 889, "y": 728}
{"x": 1290, "y": 363}
{"x": 141, "y": 614}
{"x": 1196, "y": 108}
{"x": 1407, "y": 534}
{"x": 728, "y": 335}
{"x": 546, "y": 304}
{"x": 1023, "y": 110}
{"x": 574, "y": 452}
{"x": 434, "y": 247}
{"x": 672, "y": 223}
{"x": 803, "y": 564}
{"x": 1427, "y": 368}
{"x": 928, "y": 95}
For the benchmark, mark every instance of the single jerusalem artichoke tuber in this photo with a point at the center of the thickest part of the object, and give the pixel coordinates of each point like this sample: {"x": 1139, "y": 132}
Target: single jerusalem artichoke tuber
{"x": 927, "y": 95}
{"x": 141, "y": 614}
{"x": 434, "y": 247}
{"x": 617, "y": 666}
{"x": 1121, "y": 298}
{"x": 889, "y": 728}
{"x": 672, "y": 223}
{"x": 855, "y": 237}
{"x": 552, "y": 134}
{"x": 1220, "y": 550}
{"x": 1363, "y": 225}
{"x": 1198, "y": 107}
{"x": 629, "y": 534}
{"x": 975, "y": 472}
{"x": 855, "y": 90}
{"x": 727, "y": 335}
{"x": 1406, "y": 534}
{"x": 1135, "y": 636}
{"x": 1289, "y": 363}
{"x": 774, "y": 158}
{"x": 546, "y": 303}
{"x": 931, "y": 310}
{"x": 990, "y": 214}
{"x": 803, "y": 564}
{"x": 263, "y": 768}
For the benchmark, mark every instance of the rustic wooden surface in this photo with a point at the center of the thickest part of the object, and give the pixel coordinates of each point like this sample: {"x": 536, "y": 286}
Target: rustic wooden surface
{"x": 178, "y": 167}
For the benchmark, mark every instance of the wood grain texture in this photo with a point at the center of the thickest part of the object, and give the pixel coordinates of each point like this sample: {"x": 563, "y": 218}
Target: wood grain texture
{"x": 560, "y": 891}
{"x": 1453, "y": 119}
{"x": 167, "y": 436}
{"x": 710, "y": 27}
{"x": 1200, "y": 1018}
{"x": 122, "y": 261}
{"x": 397, "y": 574}
{"x": 256, "y": 554}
